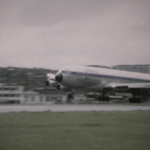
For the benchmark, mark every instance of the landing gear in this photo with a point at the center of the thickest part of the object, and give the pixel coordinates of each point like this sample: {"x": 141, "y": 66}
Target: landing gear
{"x": 137, "y": 99}
{"x": 70, "y": 96}
{"x": 139, "y": 95}
{"x": 103, "y": 98}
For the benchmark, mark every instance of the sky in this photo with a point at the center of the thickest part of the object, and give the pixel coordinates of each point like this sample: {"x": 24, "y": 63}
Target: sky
{"x": 56, "y": 33}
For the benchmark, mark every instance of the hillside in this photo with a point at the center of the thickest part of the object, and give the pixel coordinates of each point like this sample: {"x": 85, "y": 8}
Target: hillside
{"x": 30, "y": 78}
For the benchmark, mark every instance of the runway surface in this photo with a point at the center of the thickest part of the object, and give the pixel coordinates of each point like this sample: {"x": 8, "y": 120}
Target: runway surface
{"x": 70, "y": 108}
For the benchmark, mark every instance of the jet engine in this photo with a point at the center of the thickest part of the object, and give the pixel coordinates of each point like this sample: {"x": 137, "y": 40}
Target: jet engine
{"x": 53, "y": 80}
{"x": 50, "y": 83}
{"x": 62, "y": 88}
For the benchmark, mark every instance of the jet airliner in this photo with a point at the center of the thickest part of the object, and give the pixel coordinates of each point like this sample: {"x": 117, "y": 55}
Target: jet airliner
{"x": 102, "y": 80}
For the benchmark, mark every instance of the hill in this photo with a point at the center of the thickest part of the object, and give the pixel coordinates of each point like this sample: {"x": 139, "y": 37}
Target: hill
{"x": 30, "y": 78}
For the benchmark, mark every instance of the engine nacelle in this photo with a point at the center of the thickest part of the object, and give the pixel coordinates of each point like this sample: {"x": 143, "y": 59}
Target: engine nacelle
{"x": 62, "y": 88}
{"x": 50, "y": 83}
{"x": 51, "y": 80}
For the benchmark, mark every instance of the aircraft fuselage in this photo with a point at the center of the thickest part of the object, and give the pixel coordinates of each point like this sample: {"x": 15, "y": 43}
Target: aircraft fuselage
{"x": 92, "y": 78}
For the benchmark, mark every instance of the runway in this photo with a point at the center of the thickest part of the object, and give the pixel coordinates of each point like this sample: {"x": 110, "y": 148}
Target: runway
{"x": 70, "y": 108}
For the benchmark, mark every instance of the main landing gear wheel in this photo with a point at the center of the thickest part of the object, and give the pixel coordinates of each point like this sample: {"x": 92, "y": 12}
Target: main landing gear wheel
{"x": 70, "y": 96}
{"x": 137, "y": 99}
{"x": 103, "y": 98}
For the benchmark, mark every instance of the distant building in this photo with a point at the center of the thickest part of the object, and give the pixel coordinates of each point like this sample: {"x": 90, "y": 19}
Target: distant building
{"x": 11, "y": 94}
{"x": 134, "y": 68}
{"x": 32, "y": 97}
{"x": 16, "y": 95}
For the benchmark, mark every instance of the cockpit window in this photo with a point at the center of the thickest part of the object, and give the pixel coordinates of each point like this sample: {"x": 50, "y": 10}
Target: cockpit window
{"x": 65, "y": 71}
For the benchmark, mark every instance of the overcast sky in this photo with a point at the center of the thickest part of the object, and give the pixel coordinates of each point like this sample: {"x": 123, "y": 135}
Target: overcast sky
{"x": 55, "y": 33}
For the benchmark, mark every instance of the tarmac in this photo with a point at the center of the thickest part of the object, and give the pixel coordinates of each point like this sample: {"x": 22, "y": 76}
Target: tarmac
{"x": 72, "y": 108}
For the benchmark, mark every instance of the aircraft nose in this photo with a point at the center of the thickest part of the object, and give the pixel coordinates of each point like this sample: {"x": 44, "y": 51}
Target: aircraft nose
{"x": 59, "y": 77}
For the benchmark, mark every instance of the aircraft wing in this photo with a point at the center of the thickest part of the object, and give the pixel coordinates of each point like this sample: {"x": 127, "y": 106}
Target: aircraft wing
{"x": 128, "y": 85}
{"x": 50, "y": 75}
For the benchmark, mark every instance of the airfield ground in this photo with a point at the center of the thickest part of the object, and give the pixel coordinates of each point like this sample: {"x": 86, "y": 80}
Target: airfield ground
{"x": 115, "y": 130}
{"x": 86, "y": 126}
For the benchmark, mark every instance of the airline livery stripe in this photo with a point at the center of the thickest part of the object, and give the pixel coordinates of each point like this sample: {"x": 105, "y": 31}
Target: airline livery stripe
{"x": 105, "y": 76}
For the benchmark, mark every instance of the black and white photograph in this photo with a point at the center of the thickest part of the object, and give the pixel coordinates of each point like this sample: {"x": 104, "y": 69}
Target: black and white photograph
{"x": 74, "y": 74}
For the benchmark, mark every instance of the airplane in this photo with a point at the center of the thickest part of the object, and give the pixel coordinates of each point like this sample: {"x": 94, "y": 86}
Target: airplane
{"x": 102, "y": 80}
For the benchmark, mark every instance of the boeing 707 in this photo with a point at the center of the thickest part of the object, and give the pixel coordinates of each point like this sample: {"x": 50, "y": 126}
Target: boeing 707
{"x": 102, "y": 80}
